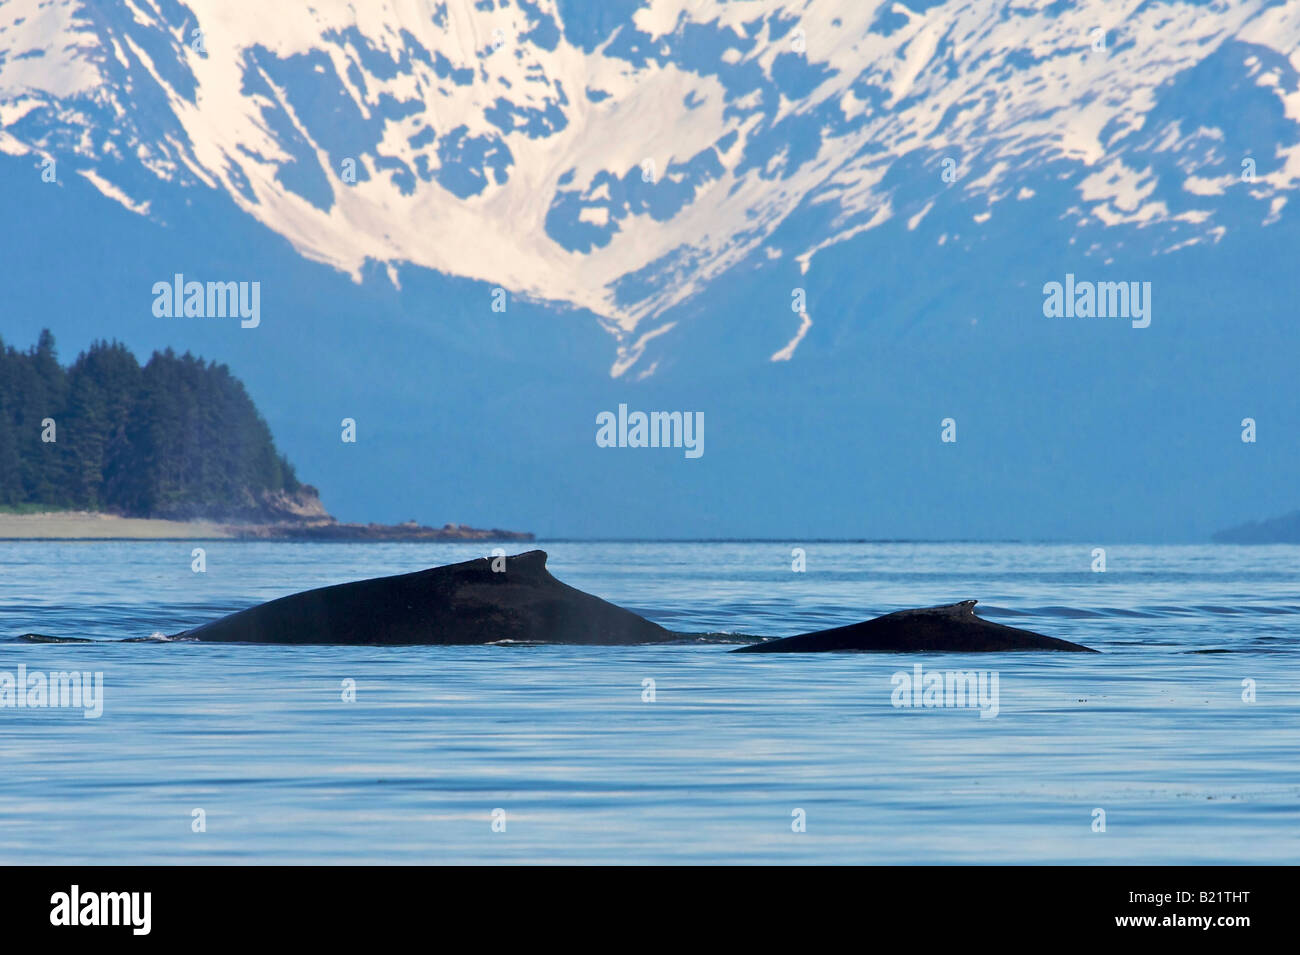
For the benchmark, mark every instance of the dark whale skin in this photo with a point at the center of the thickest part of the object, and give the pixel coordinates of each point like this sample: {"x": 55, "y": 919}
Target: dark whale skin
{"x": 952, "y": 628}
{"x": 463, "y": 603}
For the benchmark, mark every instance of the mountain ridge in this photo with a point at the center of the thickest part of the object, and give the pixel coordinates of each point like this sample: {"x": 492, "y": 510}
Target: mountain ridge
{"x": 480, "y": 117}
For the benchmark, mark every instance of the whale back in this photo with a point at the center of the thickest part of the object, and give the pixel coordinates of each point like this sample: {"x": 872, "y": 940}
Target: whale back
{"x": 953, "y": 628}
{"x": 465, "y": 603}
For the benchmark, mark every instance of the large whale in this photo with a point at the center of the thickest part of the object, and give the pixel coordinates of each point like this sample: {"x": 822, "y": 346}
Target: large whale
{"x": 467, "y": 603}
{"x": 951, "y": 628}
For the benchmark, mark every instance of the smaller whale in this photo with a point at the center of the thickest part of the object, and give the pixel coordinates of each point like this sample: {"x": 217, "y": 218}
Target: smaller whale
{"x": 950, "y": 628}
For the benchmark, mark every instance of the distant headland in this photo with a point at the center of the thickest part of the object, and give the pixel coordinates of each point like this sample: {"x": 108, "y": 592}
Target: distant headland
{"x": 1275, "y": 530}
{"x": 110, "y": 449}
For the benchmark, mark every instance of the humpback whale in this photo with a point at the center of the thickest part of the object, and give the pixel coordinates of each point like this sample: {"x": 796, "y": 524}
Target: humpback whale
{"x": 482, "y": 601}
{"x": 467, "y": 603}
{"x": 949, "y": 628}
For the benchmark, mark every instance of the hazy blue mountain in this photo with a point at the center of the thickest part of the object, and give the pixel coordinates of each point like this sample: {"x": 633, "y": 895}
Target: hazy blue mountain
{"x": 1275, "y": 530}
{"x": 648, "y": 185}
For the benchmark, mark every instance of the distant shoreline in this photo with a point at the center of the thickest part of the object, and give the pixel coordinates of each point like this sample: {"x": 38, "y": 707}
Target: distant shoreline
{"x": 97, "y": 526}
{"x": 100, "y": 526}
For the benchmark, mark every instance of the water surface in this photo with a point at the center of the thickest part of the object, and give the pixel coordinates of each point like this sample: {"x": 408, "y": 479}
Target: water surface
{"x": 1151, "y": 731}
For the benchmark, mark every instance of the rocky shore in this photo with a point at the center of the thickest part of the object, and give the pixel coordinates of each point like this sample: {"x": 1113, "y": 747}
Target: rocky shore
{"x": 407, "y": 531}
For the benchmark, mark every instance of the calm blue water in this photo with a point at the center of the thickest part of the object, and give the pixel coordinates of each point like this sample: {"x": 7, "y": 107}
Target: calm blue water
{"x": 711, "y": 770}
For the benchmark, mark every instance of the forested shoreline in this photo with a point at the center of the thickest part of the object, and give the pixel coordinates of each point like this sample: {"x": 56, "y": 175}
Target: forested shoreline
{"x": 177, "y": 437}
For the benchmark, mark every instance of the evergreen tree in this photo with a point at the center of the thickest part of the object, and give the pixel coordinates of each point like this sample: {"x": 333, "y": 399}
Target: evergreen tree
{"x": 38, "y": 395}
{"x": 11, "y": 485}
{"x": 102, "y": 386}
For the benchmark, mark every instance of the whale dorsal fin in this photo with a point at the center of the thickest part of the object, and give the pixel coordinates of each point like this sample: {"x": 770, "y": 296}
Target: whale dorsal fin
{"x": 531, "y": 560}
{"x": 529, "y": 564}
{"x": 963, "y": 608}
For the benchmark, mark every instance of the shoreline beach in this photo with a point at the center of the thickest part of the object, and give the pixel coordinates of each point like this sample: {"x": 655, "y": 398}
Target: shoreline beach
{"x": 94, "y": 525}
{"x": 91, "y": 525}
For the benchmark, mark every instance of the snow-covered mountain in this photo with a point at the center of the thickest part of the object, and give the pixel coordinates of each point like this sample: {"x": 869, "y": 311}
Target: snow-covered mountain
{"x": 826, "y": 225}
{"x": 620, "y": 157}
